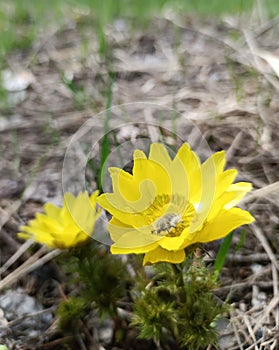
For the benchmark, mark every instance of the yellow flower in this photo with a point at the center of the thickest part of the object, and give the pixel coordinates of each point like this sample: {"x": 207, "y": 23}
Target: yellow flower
{"x": 64, "y": 227}
{"x": 167, "y": 204}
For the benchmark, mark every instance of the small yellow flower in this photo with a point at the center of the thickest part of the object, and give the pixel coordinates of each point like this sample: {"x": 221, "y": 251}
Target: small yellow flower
{"x": 64, "y": 227}
{"x": 167, "y": 204}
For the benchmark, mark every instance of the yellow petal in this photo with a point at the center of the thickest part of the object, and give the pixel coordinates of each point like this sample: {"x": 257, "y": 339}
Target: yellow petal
{"x": 152, "y": 177}
{"x": 176, "y": 176}
{"x": 172, "y": 243}
{"x": 214, "y": 164}
{"x": 159, "y": 154}
{"x": 138, "y": 154}
{"x": 117, "y": 228}
{"x": 190, "y": 162}
{"x": 161, "y": 255}
{"x": 175, "y": 169}
{"x": 122, "y": 183}
{"x": 214, "y": 182}
{"x": 240, "y": 187}
{"x": 38, "y": 236}
{"x": 52, "y": 211}
{"x": 44, "y": 223}
{"x": 135, "y": 241}
{"x": 128, "y": 191}
{"x": 239, "y": 190}
{"x": 78, "y": 238}
{"x": 159, "y": 185}
{"x": 223, "y": 224}
{"x": 93, "y": 198}
{"x": 155, "y": 170}
{"x": 224, "y": 181}
{"x": 79, "y": 210}
{"x": 61, "y": 227}
{"x": 121, "y": 210}
{"x": 219, "y": 204}
{"x": 229, "y": 198}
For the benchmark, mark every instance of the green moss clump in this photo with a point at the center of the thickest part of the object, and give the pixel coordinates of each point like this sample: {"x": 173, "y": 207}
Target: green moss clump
{"x": 178, "y": 306}
{"x": 70, "y": 312}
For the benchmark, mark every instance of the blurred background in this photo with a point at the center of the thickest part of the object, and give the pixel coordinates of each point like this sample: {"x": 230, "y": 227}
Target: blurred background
{"x": 215, "y": 64}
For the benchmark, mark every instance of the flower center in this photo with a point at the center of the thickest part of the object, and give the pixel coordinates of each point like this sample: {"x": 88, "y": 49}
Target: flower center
{"x": 169, "y": 215}
{"x": 165, "y": 224}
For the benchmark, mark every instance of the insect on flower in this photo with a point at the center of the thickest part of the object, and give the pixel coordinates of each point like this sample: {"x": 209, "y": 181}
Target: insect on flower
{"x": 167, "y": 205}
{"x": 166, "y": 223}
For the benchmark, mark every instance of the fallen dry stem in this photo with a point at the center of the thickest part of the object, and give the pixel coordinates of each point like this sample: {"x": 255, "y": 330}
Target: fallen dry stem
{"x": 21, "y": 250}
{"x": 265, "y": 244}
{"x": 271, "y": 306}
{"x": 261, "y": 193}
{"x": 34, "y": 262}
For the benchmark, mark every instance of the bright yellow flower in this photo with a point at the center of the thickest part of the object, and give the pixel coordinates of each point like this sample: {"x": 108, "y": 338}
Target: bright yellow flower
{"x": 64, "y": 227}
{"x": 167, "y": 204}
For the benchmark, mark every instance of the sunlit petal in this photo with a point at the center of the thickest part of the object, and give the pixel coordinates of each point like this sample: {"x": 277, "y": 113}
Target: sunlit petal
{"x": 64, "y": 227}
{"x": 160, "y": 254}
{"x": 167, "y": 204}
{"x": 220, "y": 226}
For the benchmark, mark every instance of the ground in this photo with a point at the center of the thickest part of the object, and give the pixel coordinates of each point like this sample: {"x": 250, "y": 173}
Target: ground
{"x": 207, "y": 82}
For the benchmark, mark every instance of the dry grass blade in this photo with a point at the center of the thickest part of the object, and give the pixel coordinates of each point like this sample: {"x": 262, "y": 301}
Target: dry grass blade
{"x": 250, "y": 330}
{"x": 261, "y": 193}
{"x": 254, "y": 345}
{"x": 256, "y": 52}
{"x": 237, "y": 330}
{"x": 6, "y": 215}
{"x": 275, "y": 292}
{"x": 22, "y": 249}
{"x": 20, "y": 319}
{"x": 34, "y": 262}
{"x": 265, "y": 245}
{"x": 271, "y": 306}
{"x": 152, "y": 130}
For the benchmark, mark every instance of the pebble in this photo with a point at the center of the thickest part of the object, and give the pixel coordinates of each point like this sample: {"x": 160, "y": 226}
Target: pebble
{"x": 24, "y": 314}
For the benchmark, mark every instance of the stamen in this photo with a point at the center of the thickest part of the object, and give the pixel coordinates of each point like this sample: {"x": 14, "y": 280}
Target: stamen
{"x": 169, "y": 215}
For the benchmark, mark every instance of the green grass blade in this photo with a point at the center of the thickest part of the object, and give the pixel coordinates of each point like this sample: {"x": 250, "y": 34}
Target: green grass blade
{"x": 222, "y": 254}
{"x": 241, "y": 240}
{"x": 105, "y": 145}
